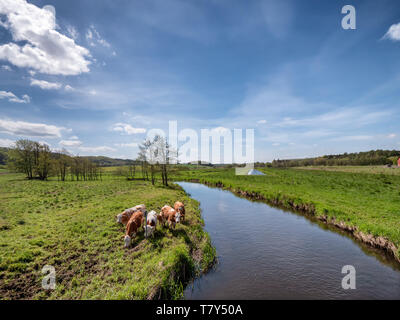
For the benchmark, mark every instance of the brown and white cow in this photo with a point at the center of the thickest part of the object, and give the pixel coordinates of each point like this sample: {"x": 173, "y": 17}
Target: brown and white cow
{"x": 152, "y": 219}
{"x": 170, "y": 215}
{"x": 164, "y": 213}
{"x": 180, "y": 207}
{"x": 127, "y": 213}
{"x": 133, "y": 226}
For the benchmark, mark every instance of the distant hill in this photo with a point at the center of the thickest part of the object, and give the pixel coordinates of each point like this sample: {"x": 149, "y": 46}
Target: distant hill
{"x": 109, "y": 162}
{"x": 373, "y": 157}
{"x": 100, "y": 160}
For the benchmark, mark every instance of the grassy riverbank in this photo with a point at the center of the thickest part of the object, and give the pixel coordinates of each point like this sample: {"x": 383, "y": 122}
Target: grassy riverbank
{"x": 368, "y": 202}
{"x": 71, "y": 226}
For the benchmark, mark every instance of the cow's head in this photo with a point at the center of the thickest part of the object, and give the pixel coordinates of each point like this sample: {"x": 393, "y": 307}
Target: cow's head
{"x": 127, "y": 241}
{"x": 178, "y": 217}
{"x": 149, "y": 230}
{"x": 119, "y": 218}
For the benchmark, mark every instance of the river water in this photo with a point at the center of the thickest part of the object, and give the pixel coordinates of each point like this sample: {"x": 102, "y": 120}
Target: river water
{"x": 268, "y": 253}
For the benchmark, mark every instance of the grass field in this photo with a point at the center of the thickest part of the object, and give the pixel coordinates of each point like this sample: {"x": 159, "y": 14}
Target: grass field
{"x": 71, "y": 226}
{"x": 356, "y": 169}
{"x": 368, "y": 201}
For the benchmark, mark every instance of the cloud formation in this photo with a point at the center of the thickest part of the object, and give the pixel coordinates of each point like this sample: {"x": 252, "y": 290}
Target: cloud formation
{"x": 93, "y": 37}
{"x": 73, "y": 32}
{"x": 6, "y": 68}
{"x": 6, "y": 143}
{"x": 45, "y": 84}
{"x": 70, "y": 143}
{"x": 127, "y": 128}
{"x": 393, "y": 33}
{"x": 37, "y": 44}
{"x": 11, "y": 97}
{"x": 22, "y": 128}
{"x": 126, "y": 145}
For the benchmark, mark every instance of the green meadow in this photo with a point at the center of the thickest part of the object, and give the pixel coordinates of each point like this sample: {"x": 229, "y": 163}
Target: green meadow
{"x": 71, "y": 225}
{"x": 356, "y": 169}
{"x": 367, "y": 200}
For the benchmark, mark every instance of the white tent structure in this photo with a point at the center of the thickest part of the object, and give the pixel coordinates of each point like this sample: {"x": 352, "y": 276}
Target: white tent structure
{"x": 254, "y": 172}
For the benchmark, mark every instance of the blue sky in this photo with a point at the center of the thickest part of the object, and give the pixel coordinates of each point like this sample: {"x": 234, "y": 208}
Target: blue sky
{"x": 96, "y": 76}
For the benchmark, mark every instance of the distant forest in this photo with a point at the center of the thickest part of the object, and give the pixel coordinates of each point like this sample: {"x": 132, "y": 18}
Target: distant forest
{"x": 100, "y": 160}
{"x": 373, "y": 157}
{"x": 109, "y": 162}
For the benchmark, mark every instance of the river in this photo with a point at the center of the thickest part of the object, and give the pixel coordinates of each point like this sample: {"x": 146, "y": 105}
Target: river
{"x": 268, "y": 253}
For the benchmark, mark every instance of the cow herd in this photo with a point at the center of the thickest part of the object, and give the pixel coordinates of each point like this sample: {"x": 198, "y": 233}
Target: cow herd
{"x": 133, "y": 218}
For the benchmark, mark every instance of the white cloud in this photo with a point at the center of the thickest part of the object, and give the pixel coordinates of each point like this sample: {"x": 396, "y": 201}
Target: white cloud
{"x": 44, "y": 142}
{"x": 6, "y": 68}
{"x": 70, "y": 143}
{"x": 45, "y": 84}
{"x": 6, "y": 143}
{"x": 68, "y": 88}
{"x": 127, "y": 128}
{"x": 393, "y": 33}
{"x": 73, "y": 138}
{"x": 22, "y": 128}
{"x": 392, "y": 136}
{"x": 262, "y": 121}
{"x": 73, "y": 32}
{"x": 37, "y": 44}
{"x": 93, "y": 37}
{"x": 104, "y": 43}
{"x": 11, "y": 97}
{"x": 126, "y": 145}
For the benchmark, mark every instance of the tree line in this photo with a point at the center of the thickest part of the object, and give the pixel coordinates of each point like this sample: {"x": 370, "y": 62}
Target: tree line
{"x": 3, "y": 156}
{"x": 154, "y": 160}
{"x": 373, "y": 157}
{"x": 37, "y": 161}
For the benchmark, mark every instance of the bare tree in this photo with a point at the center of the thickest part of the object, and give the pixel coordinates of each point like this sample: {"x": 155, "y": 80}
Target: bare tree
{"x": 166, "y": 155}
{"x": 158, "y": 155}
{"x": 151, "y": 152}
{"x": 62, "y": 163}
{"x": 142, "y": 158}
{"x": 131, "y": 171}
